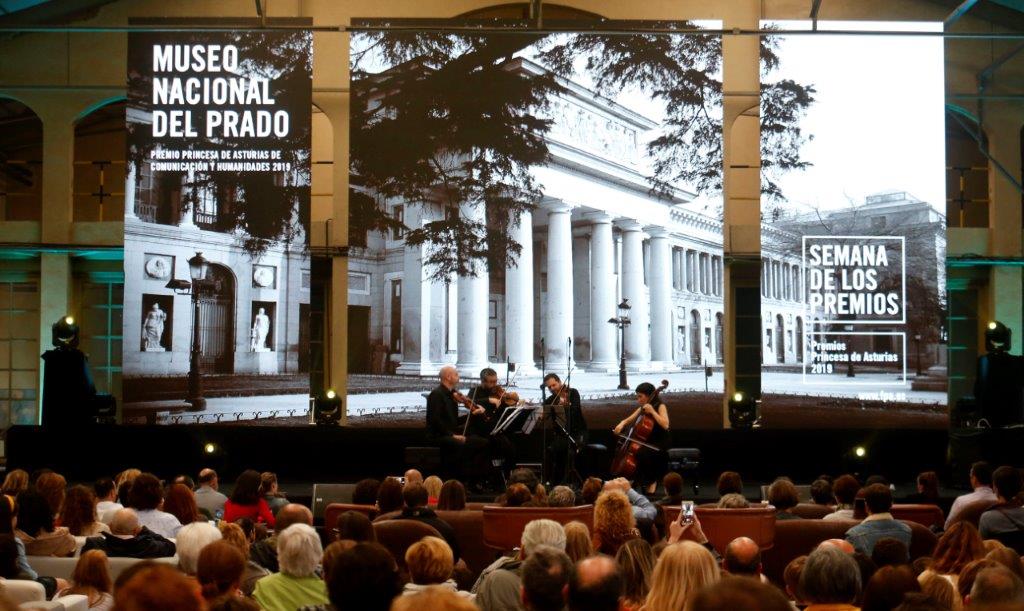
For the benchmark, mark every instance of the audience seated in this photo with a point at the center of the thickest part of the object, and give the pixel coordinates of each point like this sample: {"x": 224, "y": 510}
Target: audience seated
{"x": 845, "y": 489}
{"x": 270, "y": 492}
{"x": 742, "y": 558}
{"x": 733, "y": 501}
{"x": 673, "y": 485}
{"x": 208, "y": 495}
{"x": 927, "y": 489}
{"x": 498, "y": 586}
{"x": 234, "y": 535}
{"x": 219, "y": 570}
{"x": 1009, "y": 558}
{"x": 364, "y": 577}
{"x": 106, "y": 499}
{"x": 562, "y": 496}
{"x": 129, "y": 539}
{"x": 264, "y": 552}
{"x": 430, "y": 562}
{"x": 545, "y": 576}
{"x": 1005, "y": 520}
{"x": 783, "y": 496}
{"x": 830, "y": 579}
{"x": 355, "y": 526}
{"x": 879, "y": 523}
{"x": 157, "y": 587}
{"x": 415, "y": 496}
{"x": 53, "y": 487}
{"x": 389, "y": 496}
{"x": 887, "y": 587}
{"x": 635, "y": 559}
{"x": 124, "y": 481}
{"x": 578, "y": 543}
{"x": 296, "y": 584}
{"x": 890, "y": 552}
{"x": 517, "y": 495}
{"x": 412, "y": 476}
{"x": 740, "y": 593}
{"x": 452, "y": 496}
{"x": 434, "y": 599}
{"x": 36, "y": 530}
{"x": 614, "y": 522}
{"x": 180, "y": 502}
{"x": 15, "y": 483}
{"x": 365, "y": 491}
{"x": 940, "y": 590}
{"x": 643, "y": 509}
{"x": 958, "y": 546}
{"x": 7, "y": 515}
{"x": 192, "y": 538}
{"x": 91, "y": 579}
{"x": 821, "y": 492}
{"x": 791, "y": 578}
{"x": 682, "y": 570}
{"x": 729, "y": 482}
{"x": 433, "y": 486}
{"x": 590, "y": 489}
{"x": 595, "y": 584}
{"x": 246, "y": 501}
{"x": 981, "y": 483}
{"x": 78, "y": 514}
{"x": 145, "y": 496}
{"x": 965, "y": 580}
{"x": 995, "y": 586}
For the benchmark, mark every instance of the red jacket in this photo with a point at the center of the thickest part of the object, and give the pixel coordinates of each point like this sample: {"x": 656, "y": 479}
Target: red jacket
{"x": 260, "y": 512}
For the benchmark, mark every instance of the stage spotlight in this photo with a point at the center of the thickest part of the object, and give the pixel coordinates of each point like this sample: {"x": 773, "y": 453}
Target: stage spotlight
{"x": 860, "y": 451}
{"x": 65, "y": 333}
{"x": 210, "y": 448}
{"x": 998, "y": 337}
{"x": 327, "y": 409}
{"x": 992, "y": 326}
{"x": 742, "y": 410}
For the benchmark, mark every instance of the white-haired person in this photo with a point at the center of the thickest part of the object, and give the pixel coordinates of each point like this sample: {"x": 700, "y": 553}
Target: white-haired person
{"x": 299, "y": 554}
{"x": 500, "y": 584}
{"x": 191, "y": 540}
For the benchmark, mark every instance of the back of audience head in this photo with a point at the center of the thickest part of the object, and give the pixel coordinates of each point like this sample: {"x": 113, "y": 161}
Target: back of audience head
{"x": 965, "y": 580}
{"x": 613, "y": 514}
{"x": 246, "y": 491}
{"x": 739, "y": 593}
{"x": 34, "y": 516}
{"x": 412, "y": 476}
{"x": 830, "y": 576}
{"x": 636, "y": 565}
{"x": 919, "y": 601}
{"x": 791, "y": 577}
{"x": 219, "y": 569}
{"x": 429, "y": 561}
{"x": 191, "y": 540}
{"x": 996, "y": 585}
{"x": 186, "y": 481}
{"x": 157, "y": 587}
{"x": 928, "y": 485}
{"x": 78, "y": 514}
{"x": 890, "y": 552}
{"x": 125, "y": 523}
{"x": 91, "y": 576}
{"x": 673, "y": 484}
{"x": 887, "y": 587}
{"x": 363, "y": 577}
{"x": 590, "y": 490}
{"x": 233, "y": 534}
{"x": 730, "y": 482}
{"x": 958, "y": 546}
{"x": 208, "y": 477}
{"x": 517, "y": 495}
{"x": 878, "y": 498}
{"x": 733, "y": 501}
{"x": 415, "y": 496}
{"x": 1006, "y": 482}
{"x": 821, "y": 492}
{"x": 845, "y": 489}
{"x": 105, "y": 489}
{"x": 452, "y": 496}
{"x": 433, "y": 485}
{"x": 682, "y": 570}
{"x": 1009, "y": 558}
{"x": 355, "y": 526}
{"x": 299, "y": 550}
{"x": 389, "y": 496}
{"x": 53, "y": 487}
{"x": 595, "y": 584}
{"x": 365, "y": 491}
{"x": 981, "y": 474}
{"x": 180, "y": 502}
{"x": 526, "y": 476}
{"x": 782, "y": 494}
{"x": 542, "y": 532}
{"x": 292, "y": 513}
{"x": 578, "y": 544}
{"x": 544, "y": 577}
{"x": 268, "y": 484}
{"x": 561, "y": 496}
{"x": 435, "y": 599}
{"x": 15, "y": 482}
{"x": 146, "y": 492}
{"x": 940, "y": 590}
{"x": 742, "y": 557}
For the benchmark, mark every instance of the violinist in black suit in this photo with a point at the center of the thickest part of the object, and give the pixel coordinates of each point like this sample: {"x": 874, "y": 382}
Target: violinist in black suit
{"x": 491, "y": 397}
{"x": 461, "y": 454}
{"x": 568, "y": 428}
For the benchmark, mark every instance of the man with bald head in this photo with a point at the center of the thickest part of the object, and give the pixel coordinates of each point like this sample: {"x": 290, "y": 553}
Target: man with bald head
{"x": 264, "y": 553}
{"x": 208, "y": 497}
{"x": 595, "y": 585}
{"x": 461, "y": 455}
{"x": 413, "y": 477}
{"x": 128, "y": 539}
{"x": 742, "y": 557}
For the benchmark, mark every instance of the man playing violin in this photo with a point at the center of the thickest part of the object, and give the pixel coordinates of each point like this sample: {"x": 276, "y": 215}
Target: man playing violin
{"x": 567, "y": 420}
{"x": 461, "y": 454}
{"x": 651, "y": 463}
{"x": 491, "y": 398}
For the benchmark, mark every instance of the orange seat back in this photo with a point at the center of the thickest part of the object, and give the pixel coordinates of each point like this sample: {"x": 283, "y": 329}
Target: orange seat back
{"x": 503, "y": 526}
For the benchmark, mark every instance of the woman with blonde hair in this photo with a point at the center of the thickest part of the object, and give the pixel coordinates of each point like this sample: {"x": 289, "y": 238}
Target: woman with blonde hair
{"x": 91, "y": 578}
{"x": 232, "y": 533}
{"x": 431, "y": 563}
{"x": 957, "y": 547}
{"x": 15, "y": 483}
{"x": 682, "y": 570}
{"x": 577, "y": 541}
{"x": 636, "y": 563}
{"x": 614, "y": 523}
{"x": 433, "y": 485}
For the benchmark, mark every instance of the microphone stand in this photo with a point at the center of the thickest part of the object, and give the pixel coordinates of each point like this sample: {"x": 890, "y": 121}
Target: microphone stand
{"x": 543, "y": 407}
{"x": 571, "y": 446}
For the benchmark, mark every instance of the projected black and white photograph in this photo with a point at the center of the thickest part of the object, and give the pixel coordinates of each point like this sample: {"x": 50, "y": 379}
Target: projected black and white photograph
{"x": 853, "y": 240}
{"x": 536, "y": 204}
{"x": 217, "y": 273}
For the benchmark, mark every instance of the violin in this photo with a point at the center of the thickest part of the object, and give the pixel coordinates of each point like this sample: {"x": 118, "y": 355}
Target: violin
{"x": 506, "y": 398}
{"x": 635, "y": 439}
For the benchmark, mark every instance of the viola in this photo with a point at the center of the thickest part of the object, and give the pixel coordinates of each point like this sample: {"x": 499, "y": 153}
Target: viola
{"x": 635, "y": 439}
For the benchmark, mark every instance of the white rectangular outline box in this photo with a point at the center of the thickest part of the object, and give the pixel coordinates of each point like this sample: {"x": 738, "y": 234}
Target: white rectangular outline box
{"x": 808, "y": 334}
{"x": 903, "y": 274}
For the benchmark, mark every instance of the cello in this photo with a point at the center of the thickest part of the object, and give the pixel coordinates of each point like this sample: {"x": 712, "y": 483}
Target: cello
{"x": 635, "y": 439}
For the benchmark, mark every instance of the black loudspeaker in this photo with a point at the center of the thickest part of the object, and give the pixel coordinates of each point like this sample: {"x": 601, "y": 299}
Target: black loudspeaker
{"x": 325, "y": 494}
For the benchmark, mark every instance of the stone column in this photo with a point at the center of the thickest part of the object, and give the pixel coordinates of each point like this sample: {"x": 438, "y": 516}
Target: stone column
{"x": 519, "y": 299}
{"x": 558, "y": 309}
{"x": 581, "y": 344}
{"x": 474, "y": 303}
{"x": 129, "y": 191}
{"x": 603, "y": 335}
{"x": 423, "y": 306}
{"x": 661, "y": 296}
{"x": 638, "y": 348}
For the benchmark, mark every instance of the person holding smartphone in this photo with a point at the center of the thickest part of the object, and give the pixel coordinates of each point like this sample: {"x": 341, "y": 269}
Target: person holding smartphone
{"x": 651, "y": 462}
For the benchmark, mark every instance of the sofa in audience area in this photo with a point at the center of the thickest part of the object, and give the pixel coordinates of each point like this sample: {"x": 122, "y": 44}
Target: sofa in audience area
{"x": 31, "y": 595}
{"x": 63, "y": 567}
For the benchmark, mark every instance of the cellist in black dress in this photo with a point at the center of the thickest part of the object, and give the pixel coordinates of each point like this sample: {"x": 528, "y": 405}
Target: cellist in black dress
{"x": 651, "y": 463}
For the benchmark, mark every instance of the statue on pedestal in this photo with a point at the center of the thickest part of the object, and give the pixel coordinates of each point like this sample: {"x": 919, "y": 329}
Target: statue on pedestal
{"x": 153, "y": 329}
{"x": 260, "y": 330}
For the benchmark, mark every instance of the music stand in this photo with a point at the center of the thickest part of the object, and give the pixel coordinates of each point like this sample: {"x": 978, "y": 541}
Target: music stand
{"x": 517, "y": 419}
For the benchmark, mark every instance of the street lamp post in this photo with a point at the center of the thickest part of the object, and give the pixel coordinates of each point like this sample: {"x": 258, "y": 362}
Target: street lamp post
{"x": 198, "y": 268}
{"x": 917, "y": 340}
{"x": 622, "y": 321}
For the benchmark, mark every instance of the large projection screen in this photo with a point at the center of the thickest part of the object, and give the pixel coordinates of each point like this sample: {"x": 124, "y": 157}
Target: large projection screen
{"x": 853, "y": 245}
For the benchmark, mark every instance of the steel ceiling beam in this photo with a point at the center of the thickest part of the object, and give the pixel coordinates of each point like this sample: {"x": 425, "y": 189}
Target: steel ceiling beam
{"x": 959, "y": 12}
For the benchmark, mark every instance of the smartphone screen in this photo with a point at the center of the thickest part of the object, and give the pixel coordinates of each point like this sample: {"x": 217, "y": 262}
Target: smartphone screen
{"x": 686, "y": 512}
